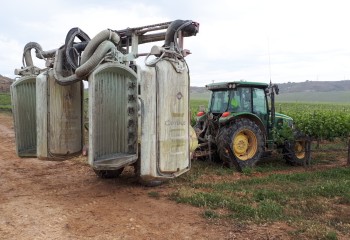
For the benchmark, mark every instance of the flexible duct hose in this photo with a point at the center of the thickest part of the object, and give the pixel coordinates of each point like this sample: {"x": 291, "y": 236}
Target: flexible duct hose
{"x": 27, "y": 55}
{"x": 95, "y": 42}
{"x": 46, "y": 54}
{"x": 93, "y": 54}
{"x": 39, "y": 52}
{"x": 177, "y": 25}
{"x": 58, "y": 70}
{"x": 95, "y": 59}
{"x": 84, "y": 69}
{"x": 71, "y": 52}
{"x": 171, "y": 36}
{"x": 51, "y": 53}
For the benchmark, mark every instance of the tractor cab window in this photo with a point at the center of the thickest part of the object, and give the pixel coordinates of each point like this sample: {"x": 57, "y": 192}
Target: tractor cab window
{"x": 219, "y": 101}
{"x": 240, "y": 100}
{"x": 259, "y": 101}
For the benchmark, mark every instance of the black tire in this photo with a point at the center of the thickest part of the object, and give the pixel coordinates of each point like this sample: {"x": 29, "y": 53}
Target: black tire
{"x": 294, "y": 152}
{"x": 253, "y": 144}
{"x": 108, "y": 173}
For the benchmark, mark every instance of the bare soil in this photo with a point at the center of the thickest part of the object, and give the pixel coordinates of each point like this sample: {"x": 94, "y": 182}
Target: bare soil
{"x": 66, "y": 200}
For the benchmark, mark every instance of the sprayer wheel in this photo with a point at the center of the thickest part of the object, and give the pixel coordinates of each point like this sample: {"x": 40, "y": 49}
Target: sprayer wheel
{"x": 108, "y": 173}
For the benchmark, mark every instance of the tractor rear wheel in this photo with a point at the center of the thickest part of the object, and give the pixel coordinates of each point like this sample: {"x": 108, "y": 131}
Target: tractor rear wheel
{"x": 295, "y": 152}
{"x": 244, "y": 139}
{"x": 108, "y": 173}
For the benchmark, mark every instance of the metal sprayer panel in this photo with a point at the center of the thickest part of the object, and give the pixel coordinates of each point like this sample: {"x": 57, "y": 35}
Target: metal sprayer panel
{"x": 172, "y": 117}
{"x": 65, "y": 118}
{"x": 148, "y": 163}
{"x": 41, "y": 113}
{"x": 23, "y": 98}
{"x": 165, "y": 121}
{"x": 59, "y": 113}
{"x": 112, "y": 116}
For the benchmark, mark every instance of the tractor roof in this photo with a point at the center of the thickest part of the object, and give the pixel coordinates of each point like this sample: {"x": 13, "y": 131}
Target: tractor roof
{"x": 229, "y": 85}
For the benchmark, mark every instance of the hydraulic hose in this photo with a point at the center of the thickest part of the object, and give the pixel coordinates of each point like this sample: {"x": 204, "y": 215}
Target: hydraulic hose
{"x": 96, "y": 41}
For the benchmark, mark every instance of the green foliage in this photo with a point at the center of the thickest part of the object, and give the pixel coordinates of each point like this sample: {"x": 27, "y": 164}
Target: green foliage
{"x": 195, "y": 106}
{"x": 331, "y": 236}
{"x": 282, "y": 134}
{"x": 319, "y": 121}
{"x": 5, "y": 101}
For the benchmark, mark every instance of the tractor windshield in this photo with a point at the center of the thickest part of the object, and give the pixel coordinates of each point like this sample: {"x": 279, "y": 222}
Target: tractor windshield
{"x": 240, "y": 100}
{"x": 219, "y": 101}
{"x": 233, "y": 100}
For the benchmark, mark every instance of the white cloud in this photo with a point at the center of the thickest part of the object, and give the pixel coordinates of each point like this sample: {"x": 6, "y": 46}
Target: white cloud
{"x": 305, "y": 40}
{"x": 11, "y": 52}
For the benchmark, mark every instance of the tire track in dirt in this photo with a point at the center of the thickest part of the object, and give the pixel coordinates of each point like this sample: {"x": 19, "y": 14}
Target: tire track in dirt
{"x": 65, "y": 200}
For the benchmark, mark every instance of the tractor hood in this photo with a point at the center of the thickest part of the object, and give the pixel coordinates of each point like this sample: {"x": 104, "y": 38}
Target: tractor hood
{"x": 280, "y": 115}
{"x": 282, "y": 118}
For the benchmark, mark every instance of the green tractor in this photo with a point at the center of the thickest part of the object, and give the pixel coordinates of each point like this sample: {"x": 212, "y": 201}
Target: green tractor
{"x": 241, "y": 126}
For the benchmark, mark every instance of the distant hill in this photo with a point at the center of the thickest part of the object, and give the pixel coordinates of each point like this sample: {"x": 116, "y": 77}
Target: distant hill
{"x": 5, "y": 83}
{"x": 307, "y": 86}
{"x": 315, "y": 86}
{"x": 308, "y": 91}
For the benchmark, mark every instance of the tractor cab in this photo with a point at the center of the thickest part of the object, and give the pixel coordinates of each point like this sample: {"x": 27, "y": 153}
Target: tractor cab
{"x": 239, "y": 99}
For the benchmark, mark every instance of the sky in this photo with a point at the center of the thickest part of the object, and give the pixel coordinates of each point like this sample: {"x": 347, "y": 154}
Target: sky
{"x": 252, "y": 40}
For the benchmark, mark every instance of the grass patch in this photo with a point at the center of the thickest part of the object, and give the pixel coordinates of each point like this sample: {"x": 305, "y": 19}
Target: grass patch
{"x": 331, "y": 236}
{"x": 5, "y": 102}
{"x": 154, "y": 194}
{"x": 209, "y": 214}
{"x": 301, "y": 199}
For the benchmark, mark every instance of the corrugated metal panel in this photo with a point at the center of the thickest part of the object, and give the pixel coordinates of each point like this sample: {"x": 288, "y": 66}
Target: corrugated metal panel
{"x": 23, "y": 96}
{"x": 112, "y": 115}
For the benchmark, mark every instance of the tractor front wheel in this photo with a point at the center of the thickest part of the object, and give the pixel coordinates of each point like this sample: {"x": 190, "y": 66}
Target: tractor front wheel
{"x": 245, "y": 139}
{"x": 294, "y": 152}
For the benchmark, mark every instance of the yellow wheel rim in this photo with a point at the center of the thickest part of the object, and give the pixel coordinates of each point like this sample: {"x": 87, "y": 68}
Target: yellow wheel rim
{"x": 299, "y": 149}
{"x": 245, "y": 145}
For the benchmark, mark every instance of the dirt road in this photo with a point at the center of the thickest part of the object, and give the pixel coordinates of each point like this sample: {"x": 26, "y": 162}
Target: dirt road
{"x": 65, "y": 200}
